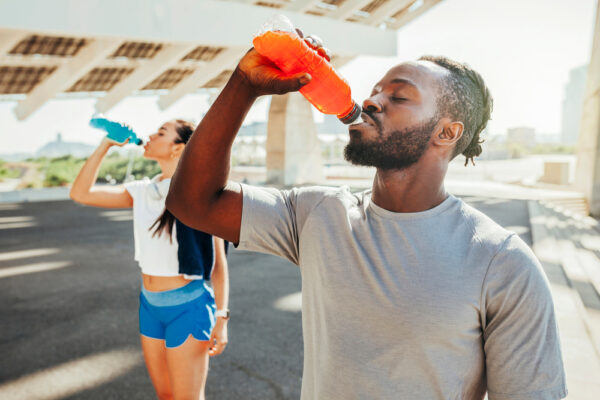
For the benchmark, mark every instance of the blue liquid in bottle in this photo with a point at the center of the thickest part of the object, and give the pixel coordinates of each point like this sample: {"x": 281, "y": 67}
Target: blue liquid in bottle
{"x": 115, "y": 131}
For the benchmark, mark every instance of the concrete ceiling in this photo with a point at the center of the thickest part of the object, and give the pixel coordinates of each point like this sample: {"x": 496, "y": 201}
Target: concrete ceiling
{"x": 111, "y": 49}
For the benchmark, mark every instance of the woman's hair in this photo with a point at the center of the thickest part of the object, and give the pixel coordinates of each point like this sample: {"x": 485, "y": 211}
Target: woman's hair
{"x": 165, "y": 222}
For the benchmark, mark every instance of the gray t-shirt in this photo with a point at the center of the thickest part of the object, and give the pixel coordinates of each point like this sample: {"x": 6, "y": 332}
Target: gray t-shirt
{"x": 439, "y": 304}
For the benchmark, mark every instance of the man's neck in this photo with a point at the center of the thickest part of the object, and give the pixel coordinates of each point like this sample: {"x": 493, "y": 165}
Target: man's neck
{"x": 419, "y": 187}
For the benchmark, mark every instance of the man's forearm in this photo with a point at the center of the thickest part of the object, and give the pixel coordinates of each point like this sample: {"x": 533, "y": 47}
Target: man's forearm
{"x": 204, "y": 166}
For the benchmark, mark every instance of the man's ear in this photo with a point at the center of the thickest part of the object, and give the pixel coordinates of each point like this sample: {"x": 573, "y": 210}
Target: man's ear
{"x": 449, "y": 134}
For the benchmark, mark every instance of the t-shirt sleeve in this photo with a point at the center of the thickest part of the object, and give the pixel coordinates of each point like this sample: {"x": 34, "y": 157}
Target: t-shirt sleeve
{"x": 136, "y": 188}
{"x": 272, "y": 219}
{"x": 521, "y": 342}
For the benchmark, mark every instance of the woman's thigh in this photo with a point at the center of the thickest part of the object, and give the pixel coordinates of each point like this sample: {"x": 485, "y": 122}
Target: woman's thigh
{"x": 188, "y": 368}
{"x": 155, "y": 355}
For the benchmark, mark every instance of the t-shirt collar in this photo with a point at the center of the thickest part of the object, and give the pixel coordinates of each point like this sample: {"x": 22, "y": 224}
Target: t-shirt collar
{"x": 160, "y": 189}
{"x": 382, "y": 212}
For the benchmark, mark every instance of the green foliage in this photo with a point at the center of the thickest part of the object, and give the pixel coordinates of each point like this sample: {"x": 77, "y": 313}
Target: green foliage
{"x": 7, "y": 172}
{"x": 115, "y": 167}
{"x": 61, "y": 170}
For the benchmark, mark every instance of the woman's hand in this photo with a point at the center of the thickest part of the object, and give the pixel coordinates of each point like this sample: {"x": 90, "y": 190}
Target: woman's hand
{"x": 218, "y": 338}
{"x": 108, "y": 143}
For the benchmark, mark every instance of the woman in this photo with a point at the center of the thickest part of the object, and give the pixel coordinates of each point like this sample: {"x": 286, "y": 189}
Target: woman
{"x": 177, "y": 309}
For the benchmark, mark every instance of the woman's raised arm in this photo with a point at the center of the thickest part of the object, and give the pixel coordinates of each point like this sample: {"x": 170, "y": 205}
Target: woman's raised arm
{"x": 84, "y": 192}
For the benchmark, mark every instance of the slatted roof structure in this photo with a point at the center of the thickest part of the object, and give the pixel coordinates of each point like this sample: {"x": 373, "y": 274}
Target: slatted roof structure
{"x": 111, "y": 49}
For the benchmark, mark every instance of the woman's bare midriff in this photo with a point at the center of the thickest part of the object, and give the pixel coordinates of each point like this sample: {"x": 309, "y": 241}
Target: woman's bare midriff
{"x": 162, "y": 283}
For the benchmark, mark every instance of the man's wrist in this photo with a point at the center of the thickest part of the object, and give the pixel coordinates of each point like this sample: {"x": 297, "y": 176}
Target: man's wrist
{"x": 239, "y": 80}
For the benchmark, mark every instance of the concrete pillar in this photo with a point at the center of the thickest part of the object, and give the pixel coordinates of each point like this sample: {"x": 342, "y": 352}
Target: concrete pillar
{"x": 588, "y": 147}
{"x": 293, "y": 150}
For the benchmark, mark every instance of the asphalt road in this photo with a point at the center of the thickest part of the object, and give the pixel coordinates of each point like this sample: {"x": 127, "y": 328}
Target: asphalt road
{"x": 69, "y": 292}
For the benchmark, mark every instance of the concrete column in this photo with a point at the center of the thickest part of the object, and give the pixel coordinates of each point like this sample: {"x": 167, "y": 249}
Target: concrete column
{"x": 293, "y": 150}
{"x": 588, "y": 147}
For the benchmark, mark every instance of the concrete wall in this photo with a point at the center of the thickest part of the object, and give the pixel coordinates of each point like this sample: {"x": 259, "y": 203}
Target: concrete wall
{"x": 588, "y": 148}
{"x": 293, "y": 148}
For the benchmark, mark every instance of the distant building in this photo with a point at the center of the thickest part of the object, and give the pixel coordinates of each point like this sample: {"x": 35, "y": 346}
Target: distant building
{"x": 249, "y": 150}
{"x": 523, "y": 135}
{"x": 59, "y": 148}
{"x": 332, "y": 148}
{"x": 494, "y": 148}
{"x": 331, "y": 126}
{"x": 249, "y": 147}
{"x": 549, "y": 138}
{"x": 573, "y": 105}
{"x": 253, "y": 129}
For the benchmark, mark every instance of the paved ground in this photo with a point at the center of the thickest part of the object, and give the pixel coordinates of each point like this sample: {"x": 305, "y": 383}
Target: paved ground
{"x": 68, "y": 309}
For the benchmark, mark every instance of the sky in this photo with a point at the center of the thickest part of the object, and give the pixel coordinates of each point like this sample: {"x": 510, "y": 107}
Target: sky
{"x": 524, "y": 49}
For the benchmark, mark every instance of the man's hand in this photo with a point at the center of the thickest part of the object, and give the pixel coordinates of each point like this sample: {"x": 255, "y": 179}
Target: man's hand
{"x": 263, "y": 77}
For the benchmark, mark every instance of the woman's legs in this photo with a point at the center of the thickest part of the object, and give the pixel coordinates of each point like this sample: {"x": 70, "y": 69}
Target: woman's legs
{"x": 176, "y": 361}
{"x": 188, "y": 368}
{"x": 155, "y": 355}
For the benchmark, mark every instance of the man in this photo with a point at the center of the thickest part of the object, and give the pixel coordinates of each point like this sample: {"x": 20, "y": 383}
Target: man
{"x": 407, "y": 292}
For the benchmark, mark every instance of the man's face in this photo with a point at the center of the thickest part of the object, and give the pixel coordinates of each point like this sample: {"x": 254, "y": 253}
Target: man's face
{"x": 398, "y": 118}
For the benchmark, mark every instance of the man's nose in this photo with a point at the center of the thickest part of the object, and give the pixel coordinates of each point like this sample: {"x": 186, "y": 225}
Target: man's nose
{"x": 371, "y": 105}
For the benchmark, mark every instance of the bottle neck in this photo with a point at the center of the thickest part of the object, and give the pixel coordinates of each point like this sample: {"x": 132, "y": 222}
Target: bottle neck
{"x": 350, "y": 115}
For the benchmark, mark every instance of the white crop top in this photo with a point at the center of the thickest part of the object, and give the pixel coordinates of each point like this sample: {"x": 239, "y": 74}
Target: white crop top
{"x": 155, "y": 255}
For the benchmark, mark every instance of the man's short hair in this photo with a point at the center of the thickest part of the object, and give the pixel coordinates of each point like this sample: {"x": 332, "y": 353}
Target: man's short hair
{"x": 464, "y": 97}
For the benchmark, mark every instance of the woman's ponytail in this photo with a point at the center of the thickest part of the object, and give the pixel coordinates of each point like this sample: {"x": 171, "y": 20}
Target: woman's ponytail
{"x": 166, "y": 220}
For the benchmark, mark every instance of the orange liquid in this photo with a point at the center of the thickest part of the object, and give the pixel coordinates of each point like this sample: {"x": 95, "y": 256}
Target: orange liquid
{"x": 327, "y": 91}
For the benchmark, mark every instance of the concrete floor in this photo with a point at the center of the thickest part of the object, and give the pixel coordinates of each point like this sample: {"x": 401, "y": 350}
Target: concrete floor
{"x": 68, "y": 309}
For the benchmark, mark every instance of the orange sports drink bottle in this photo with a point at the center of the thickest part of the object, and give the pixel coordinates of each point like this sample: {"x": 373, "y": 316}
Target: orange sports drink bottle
{"x": 327, "y": 91}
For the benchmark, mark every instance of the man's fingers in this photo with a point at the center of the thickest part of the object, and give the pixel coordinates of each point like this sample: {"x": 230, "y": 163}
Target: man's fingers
{"x": 292, "y": 83}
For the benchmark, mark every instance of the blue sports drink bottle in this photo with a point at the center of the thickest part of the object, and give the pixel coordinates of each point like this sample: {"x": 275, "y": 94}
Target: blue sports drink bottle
{"x": 115, "y": 131}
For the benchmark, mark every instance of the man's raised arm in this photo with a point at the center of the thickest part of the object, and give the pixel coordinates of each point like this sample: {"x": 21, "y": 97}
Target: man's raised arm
{"x": 199, "y": 195}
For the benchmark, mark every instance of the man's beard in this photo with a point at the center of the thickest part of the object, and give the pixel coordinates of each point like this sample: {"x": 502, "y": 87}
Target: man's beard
{"x": 399, "y": 150}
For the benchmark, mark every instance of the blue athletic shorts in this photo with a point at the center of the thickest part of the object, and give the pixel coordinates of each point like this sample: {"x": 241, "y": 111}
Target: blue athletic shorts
{"x": 174, "y": 315}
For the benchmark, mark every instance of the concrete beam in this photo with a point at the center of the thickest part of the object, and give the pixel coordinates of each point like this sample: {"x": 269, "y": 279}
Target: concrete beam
{"x": 386, "y": 10}
{"x": 66, "y": 75}
{"x": 18, "y": 60}
{"x": 28, "y": 61}
{"x": 412, "y": 14}
{"x": 347, "y": 8}
{"x": 9, "y": 38}
{"x": 302, "y": 5}
{"x": 168, "y": 56}
{"x": 225, "y": 59}
{"x": 206, "y": 22}
{"x": 587, "y": 177}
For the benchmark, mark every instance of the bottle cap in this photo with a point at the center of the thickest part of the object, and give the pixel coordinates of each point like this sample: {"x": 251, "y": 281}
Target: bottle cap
{"x": 278, "y": 22}
{"x": 351, "y": 116}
